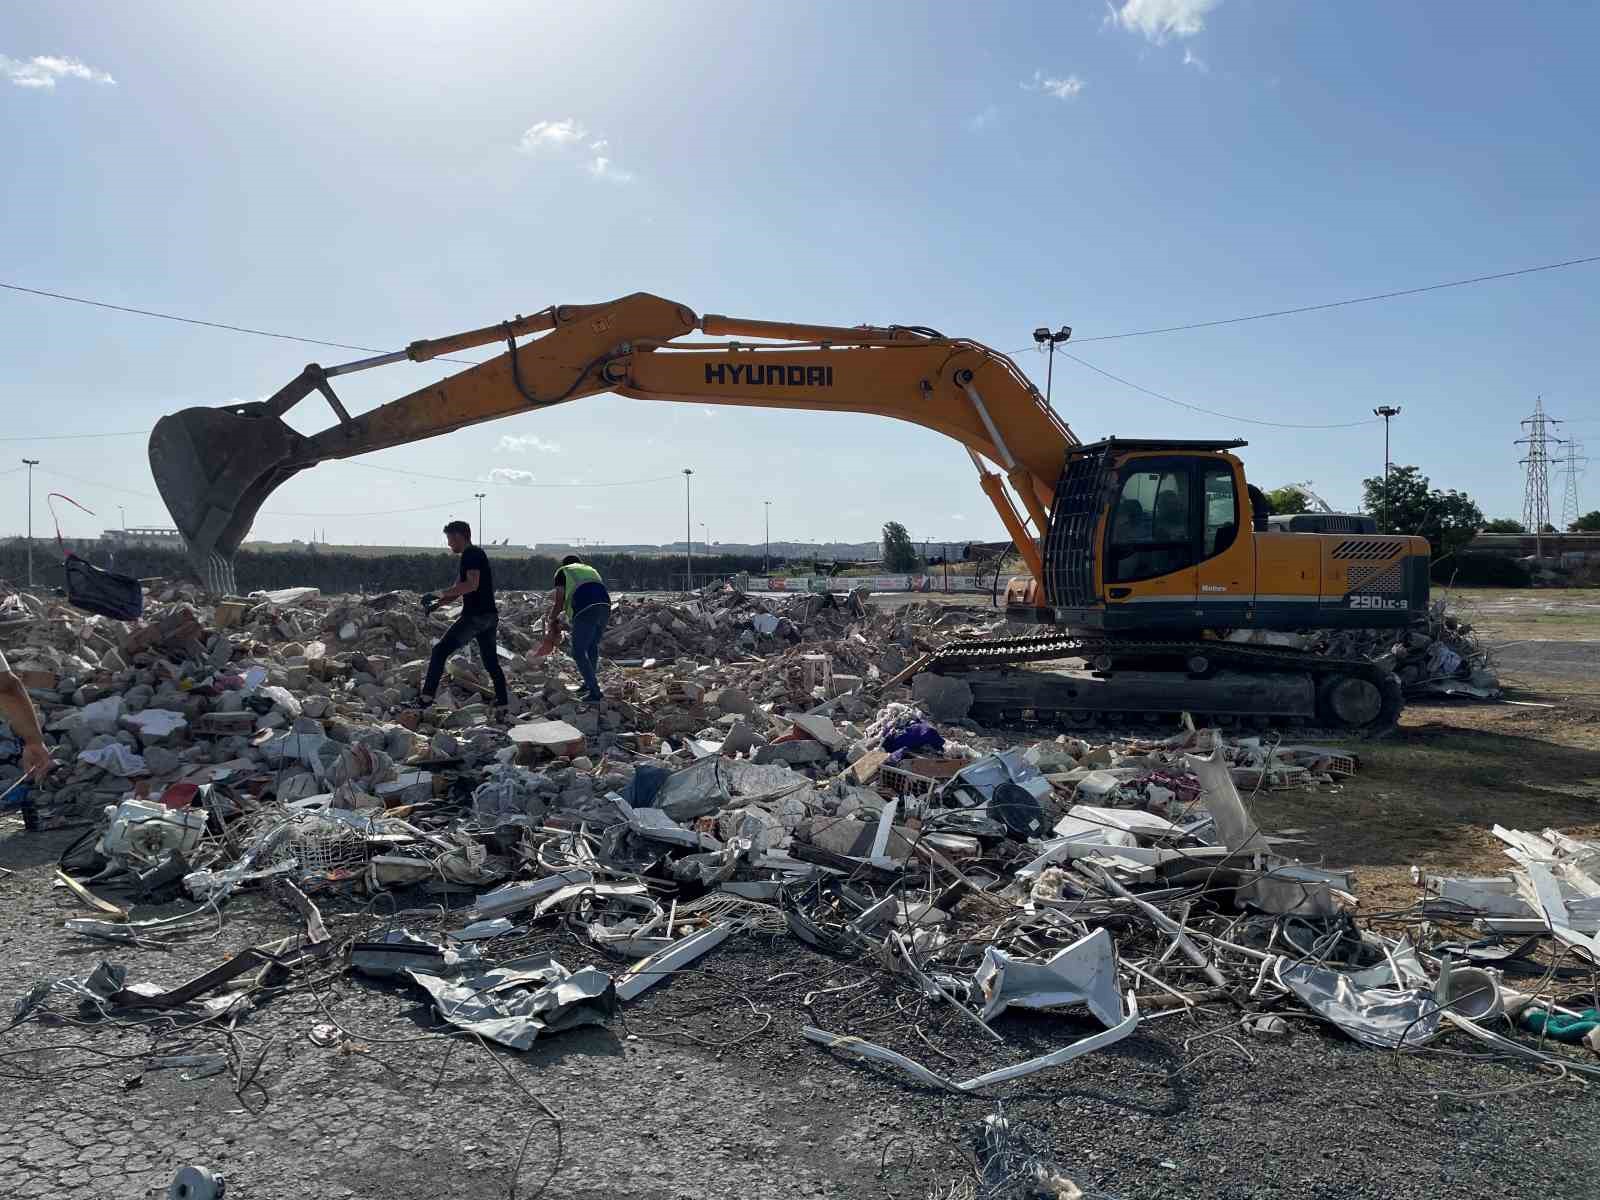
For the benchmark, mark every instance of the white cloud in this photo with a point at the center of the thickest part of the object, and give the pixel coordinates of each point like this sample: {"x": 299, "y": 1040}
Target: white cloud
{"x": 523, "y": 443}
{"x": 544, "y": 134}
{"x": 1061, "y": 89}
{"x": 42, "y": 71}
{"x": 980, "y": 121}
{"x": 602, "y": 167}
{"x": 1159, "y": 19}
{"x": 509, "y": 475}
{"x": 1191, "y": 59}
{"x": 562, "y": 137}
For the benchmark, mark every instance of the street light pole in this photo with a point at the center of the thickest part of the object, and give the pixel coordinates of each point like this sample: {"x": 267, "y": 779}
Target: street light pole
{"x": 767, "y": 559}
{"x": 1386, "y": 411}
{"x": 1043, "y": 337}
{"x": 32, "y": 463}
{"x": 480, "y": 496}
{"x": 688, "y": 536}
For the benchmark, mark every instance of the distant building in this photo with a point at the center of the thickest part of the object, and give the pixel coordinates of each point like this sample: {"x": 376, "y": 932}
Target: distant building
{"x": 158, "y": 538}
{"x": 1571, "y": 550}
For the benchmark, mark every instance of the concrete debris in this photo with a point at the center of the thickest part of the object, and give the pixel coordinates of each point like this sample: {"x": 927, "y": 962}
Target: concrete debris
{"x": 750, "y": 774}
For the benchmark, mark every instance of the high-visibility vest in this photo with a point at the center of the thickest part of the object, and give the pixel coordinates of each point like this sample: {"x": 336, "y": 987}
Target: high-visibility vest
{"x": 574, "y": 576}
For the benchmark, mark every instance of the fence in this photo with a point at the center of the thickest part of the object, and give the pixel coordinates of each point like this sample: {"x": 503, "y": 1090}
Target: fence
{"x": 876, "y": 583}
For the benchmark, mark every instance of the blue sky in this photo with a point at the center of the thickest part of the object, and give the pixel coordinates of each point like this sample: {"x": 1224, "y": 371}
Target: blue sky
{"x": 378, "y": 172}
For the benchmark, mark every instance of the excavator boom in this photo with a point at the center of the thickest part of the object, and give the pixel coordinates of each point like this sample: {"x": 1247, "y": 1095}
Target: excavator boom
{"x": 216, "y": 467}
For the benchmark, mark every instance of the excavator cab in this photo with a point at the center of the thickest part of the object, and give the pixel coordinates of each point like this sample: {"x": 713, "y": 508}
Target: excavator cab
{"x": 1168, "y": 539}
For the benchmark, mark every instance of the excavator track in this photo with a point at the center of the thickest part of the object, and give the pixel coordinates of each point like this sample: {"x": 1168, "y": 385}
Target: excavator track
{"x": 1215, "y": 681}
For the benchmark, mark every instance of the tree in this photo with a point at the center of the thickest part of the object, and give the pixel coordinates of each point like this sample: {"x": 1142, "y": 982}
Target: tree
{"x": 898, "y": 552}
{"x": 1406, "y": 503}
{"x": 1288, "y": 499}
{"x": 1504, "y": 525}
{"x": 1588, "y": 523}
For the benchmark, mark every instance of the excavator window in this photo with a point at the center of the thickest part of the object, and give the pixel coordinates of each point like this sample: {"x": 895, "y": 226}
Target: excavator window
{"x": 1221, "y": 509}
{"x": 1151, "y": 532}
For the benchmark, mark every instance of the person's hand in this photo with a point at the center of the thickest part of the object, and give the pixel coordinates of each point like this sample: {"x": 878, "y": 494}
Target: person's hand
{"x": 429, "y": 602}
{"x": 36, "y": 760}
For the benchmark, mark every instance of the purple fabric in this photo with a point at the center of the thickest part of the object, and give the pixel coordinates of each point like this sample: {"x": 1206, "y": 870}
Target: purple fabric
{"x": 918, "y": 735}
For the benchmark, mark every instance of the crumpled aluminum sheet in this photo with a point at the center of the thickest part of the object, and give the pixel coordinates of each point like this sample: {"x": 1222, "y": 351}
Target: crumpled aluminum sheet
{"x": 1385, "y": 1017}
{"x": 1082, "y": 973}
{"x": 518, "y": 1000}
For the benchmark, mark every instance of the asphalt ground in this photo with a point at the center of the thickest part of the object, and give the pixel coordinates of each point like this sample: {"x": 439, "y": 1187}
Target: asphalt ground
{"x": 704, "y": 1087}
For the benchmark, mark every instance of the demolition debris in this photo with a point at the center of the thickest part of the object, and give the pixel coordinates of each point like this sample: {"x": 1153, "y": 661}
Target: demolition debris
{"x": 758, "y": 772}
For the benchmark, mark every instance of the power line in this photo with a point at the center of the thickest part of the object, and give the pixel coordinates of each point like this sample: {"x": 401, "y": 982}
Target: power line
{"x": 1211, "y": 412}
{"x": 1309, "y": 308}
{"x": 501, "y": 482}
{"x": 267, "y": 333}
{"x": 111, "y": 487}
{"x": 380, "y": 513}
{"x": 70, "y": 437}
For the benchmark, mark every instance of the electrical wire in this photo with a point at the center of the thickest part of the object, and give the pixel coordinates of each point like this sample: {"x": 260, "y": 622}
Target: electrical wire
{"x": 502, "y": 483}
{"x": 1308, "y": 308}
{"x": 145, "y": 312}
{"x": 73, "y": 437}
{"x": 1139, "y": 387}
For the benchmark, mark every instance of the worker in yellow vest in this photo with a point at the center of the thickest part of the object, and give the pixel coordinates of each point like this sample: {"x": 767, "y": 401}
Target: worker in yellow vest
{"x": 581, "y": 597}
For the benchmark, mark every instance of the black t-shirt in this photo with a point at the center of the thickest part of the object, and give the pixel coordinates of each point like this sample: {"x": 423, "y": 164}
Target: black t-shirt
{"x": 482, "y": 600}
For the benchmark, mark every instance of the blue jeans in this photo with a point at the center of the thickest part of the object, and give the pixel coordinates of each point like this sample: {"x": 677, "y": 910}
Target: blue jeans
{"x": 587, "y": 626}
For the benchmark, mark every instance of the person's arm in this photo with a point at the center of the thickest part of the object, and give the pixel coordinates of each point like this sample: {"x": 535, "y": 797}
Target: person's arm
{"x": 461, "y": 588}
{"x": 17, "y": 708}
{"x": 558, "y": 602}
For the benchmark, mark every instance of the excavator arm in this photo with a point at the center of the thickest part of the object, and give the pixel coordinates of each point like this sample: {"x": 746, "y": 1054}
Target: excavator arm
{"x": 215, "y": 467}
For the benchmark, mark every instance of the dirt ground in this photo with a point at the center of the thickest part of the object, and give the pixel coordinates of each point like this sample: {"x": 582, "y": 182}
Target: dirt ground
{"x": 1429, "y": 793}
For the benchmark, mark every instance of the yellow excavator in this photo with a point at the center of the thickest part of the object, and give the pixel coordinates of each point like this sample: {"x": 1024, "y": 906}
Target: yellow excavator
{"x": 1146, "y": 557}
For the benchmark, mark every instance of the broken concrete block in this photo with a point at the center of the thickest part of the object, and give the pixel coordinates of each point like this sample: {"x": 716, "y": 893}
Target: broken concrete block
{"x": 942, "y": 697}
{"x": 795, "y": 753}
{"x": 155, "y": 725}
{"x": 732, "y": 700}
{"x": 554, "y": 738}
{"x": 820, "y": 728}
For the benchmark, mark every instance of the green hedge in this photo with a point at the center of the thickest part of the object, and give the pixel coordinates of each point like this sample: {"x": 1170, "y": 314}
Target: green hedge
{"x": 1480, "y": 570}
{"x": 421, "y": 571}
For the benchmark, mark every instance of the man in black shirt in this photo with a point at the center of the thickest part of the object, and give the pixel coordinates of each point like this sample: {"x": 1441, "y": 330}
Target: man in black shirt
{"x": 479, "y": 618}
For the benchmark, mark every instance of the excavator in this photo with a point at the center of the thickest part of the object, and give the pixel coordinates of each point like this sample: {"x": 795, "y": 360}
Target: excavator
{"x": 1149, "y": 560}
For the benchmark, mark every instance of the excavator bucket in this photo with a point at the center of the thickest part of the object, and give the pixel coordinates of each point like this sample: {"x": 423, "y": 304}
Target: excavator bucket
{"x": 215, "y": 468}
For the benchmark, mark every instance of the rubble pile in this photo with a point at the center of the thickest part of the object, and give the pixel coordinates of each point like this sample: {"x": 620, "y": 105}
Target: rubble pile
{"x": 1439, "y": 657}
{"x": 753, "y": 776}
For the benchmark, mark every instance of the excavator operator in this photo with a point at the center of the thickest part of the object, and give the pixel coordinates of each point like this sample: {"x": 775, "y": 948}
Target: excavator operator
{"x": 479, "y": 619}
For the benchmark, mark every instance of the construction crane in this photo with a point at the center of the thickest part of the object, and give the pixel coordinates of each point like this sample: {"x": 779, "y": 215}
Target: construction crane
{"x": 1144, "y": 554}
